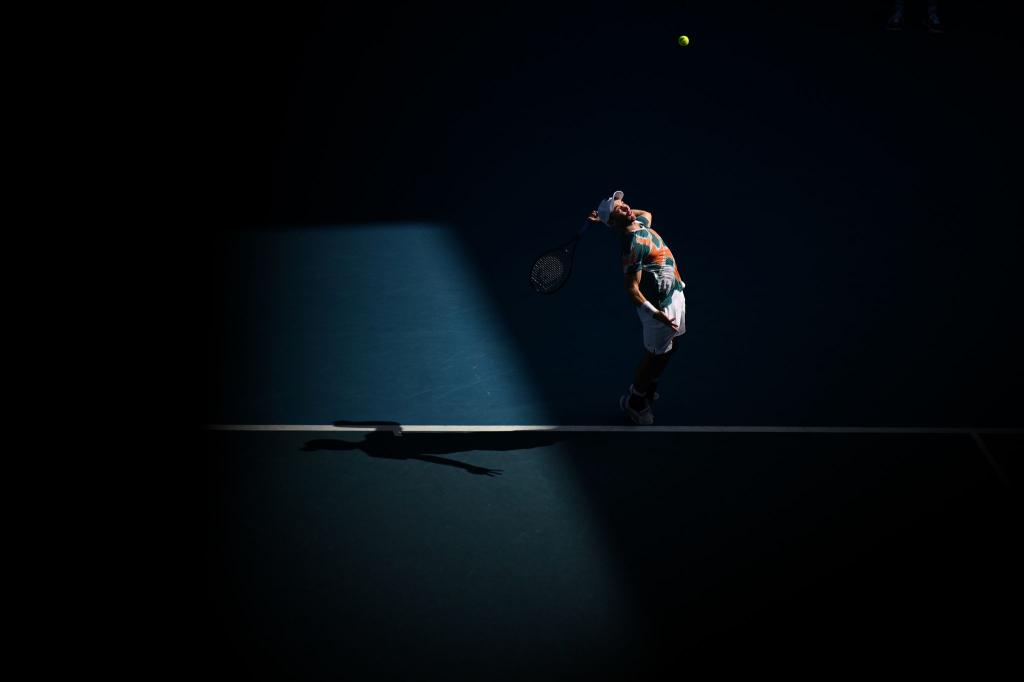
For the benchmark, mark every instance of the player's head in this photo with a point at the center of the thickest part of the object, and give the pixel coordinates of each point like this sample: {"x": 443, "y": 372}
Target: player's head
{"x": 614, "y": 212}
{"x": 621, "y": 216}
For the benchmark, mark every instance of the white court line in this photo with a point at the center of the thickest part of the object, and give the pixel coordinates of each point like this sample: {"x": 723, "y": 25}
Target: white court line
{"x": 991, "y": 460}
{"x": 503, "y": 428}
{"x": 399, "y": 429}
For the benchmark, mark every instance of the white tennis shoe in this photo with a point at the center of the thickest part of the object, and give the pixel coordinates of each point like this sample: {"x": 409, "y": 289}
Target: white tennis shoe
{"x": 644, "y": 417}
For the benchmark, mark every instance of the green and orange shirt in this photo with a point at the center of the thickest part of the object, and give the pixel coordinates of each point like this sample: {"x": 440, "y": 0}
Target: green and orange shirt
{"x": 645, "y": 251}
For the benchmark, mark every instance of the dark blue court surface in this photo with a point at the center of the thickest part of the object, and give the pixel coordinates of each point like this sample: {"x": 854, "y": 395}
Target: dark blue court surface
{"x": 844, "y": 206}
{"x": 601, "y": 556}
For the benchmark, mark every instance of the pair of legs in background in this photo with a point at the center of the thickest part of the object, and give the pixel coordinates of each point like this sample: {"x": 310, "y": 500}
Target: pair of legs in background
{"x": 931, "y": 20}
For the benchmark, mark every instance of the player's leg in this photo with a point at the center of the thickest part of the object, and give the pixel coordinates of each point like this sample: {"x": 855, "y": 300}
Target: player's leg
{"x": 645, "y": 379}
{"x": 634, "y": 403}
{"x": 667, "y": 344}
{"x": 659, "y": 344}
{"x": 652, "y": 388}
{"x": 642, "y": 378}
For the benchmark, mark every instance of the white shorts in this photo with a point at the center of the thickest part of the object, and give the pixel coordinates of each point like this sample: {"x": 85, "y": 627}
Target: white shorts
{"x": 658, "y": 336}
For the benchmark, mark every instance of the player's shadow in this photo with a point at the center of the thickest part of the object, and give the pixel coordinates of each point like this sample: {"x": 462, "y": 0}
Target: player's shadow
{"x": 426, "y": 447}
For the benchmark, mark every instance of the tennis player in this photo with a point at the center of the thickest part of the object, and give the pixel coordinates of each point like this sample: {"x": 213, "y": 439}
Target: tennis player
{"x": 653, "y": 284}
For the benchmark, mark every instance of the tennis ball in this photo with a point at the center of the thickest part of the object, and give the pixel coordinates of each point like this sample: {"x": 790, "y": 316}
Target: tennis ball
{"x": 683, "y": 40}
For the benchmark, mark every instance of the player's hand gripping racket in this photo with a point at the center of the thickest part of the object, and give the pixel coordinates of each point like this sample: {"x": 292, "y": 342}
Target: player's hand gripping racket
{"x": 551, "y": 271}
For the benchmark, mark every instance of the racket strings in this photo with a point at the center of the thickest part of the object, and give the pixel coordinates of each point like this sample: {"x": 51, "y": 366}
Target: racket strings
{"x": 548, "y": 272}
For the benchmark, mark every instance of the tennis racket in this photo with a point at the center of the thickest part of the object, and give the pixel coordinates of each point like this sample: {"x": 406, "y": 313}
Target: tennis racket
{"x": 552, "y": 269}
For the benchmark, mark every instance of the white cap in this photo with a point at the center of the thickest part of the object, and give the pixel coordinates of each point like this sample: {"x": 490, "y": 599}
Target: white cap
{"x": 604, "y": 209}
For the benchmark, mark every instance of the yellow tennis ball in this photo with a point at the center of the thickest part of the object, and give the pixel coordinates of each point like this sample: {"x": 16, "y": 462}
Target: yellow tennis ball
{"x": 683, "y": 40}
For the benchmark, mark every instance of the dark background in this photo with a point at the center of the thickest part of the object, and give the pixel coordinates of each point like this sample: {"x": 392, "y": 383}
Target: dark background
{"x": 840, "y": 198}
{"x": 844, "y": 203}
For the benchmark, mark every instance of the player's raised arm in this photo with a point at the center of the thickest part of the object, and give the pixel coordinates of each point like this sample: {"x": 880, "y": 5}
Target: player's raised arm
{"x": 647, "y": 214}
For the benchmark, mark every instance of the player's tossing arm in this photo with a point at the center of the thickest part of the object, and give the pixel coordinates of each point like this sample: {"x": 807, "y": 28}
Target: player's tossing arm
{"x": 632, "y": 284}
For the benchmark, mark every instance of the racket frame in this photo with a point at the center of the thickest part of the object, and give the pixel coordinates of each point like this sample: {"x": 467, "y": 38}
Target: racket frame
{"x": 569, "y": 248}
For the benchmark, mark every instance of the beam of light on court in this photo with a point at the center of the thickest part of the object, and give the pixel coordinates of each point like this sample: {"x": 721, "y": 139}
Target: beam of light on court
{"x": 389, "y": 323}
{"x": 370, "y": 322}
